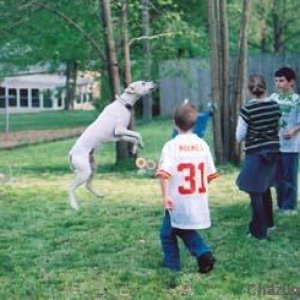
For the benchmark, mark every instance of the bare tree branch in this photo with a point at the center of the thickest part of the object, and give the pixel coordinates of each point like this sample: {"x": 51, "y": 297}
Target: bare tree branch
{"x": 151, "y": 37}
{"x": 27, "y": 5}
{"x": 12, "y": 26}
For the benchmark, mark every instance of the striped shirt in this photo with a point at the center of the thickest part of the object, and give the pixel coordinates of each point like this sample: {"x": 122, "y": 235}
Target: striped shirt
{"x": 262, "y": 118}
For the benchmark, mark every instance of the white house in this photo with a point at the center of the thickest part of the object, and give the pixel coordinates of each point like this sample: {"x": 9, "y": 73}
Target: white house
{"x": 37, "y": 92}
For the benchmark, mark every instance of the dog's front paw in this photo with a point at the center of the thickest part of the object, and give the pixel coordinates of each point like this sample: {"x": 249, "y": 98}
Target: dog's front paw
{"x": 141, "y": 144}
{"x": 134, "y": 149}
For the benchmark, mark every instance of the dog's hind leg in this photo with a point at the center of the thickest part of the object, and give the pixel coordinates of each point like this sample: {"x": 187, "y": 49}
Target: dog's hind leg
{"x": 83, "y": 172}
{"x": 90, "y": 188}
{"x": 89, "y": 185}
{"x": 74, "y": 185}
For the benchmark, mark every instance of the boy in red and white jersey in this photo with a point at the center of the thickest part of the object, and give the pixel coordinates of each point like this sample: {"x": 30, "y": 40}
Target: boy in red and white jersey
{"x": 185, "y": 169}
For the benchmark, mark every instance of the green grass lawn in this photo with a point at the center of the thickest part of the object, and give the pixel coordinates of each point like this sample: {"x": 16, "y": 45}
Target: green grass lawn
{"x": 48, "y": 120}
{"x": 110, "y": 249}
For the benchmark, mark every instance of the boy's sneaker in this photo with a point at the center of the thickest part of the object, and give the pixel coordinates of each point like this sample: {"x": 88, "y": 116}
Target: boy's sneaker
{"x": 206, "y": 262}
{"x": 293, "y": 212}
{"x": 287, "y": 212}
{"x": 250, "y": 236}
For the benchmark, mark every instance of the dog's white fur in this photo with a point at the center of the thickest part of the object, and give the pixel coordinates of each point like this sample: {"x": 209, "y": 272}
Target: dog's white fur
{"x": 110, "y": 126}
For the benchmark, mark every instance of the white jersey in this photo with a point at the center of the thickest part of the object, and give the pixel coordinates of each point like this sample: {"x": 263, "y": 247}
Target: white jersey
{"x": 187, "y": 162}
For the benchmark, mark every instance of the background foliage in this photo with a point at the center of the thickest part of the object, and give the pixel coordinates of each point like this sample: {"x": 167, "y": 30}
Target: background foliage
{"x": 35, "y": 31}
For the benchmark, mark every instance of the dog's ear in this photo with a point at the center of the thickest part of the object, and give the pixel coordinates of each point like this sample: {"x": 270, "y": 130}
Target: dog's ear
{"x": 130, "y": 89}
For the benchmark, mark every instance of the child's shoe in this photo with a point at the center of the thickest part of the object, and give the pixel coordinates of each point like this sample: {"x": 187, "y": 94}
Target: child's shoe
{"x": 293, "y": 212}
{"x": 287, "y": 212}
{"x": 206, "y": 262}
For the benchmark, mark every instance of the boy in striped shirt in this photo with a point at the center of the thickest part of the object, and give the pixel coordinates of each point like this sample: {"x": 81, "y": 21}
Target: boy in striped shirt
{"x": 185, "y": 168}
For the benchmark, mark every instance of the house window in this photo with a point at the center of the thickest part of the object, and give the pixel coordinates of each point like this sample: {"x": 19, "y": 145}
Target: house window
{"x": 35, "y": 98}
{"x": 84, "y": 98}
{"x": 12, "y": 97}
{"x": 23, "y": 97}
{"x": 47, "y": 98}
{"x": 59, "y": 101}
{"x": 2, "y": 97}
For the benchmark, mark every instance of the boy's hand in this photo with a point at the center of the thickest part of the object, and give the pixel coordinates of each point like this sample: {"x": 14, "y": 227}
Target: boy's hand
{"x": 168, "y": 203}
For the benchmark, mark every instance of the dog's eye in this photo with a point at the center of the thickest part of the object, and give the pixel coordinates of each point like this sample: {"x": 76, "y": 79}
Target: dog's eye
{"x": 143, "y": 83}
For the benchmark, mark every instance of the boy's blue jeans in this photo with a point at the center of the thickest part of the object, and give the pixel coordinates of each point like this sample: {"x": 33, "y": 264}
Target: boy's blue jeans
{"x": 287, "y": 180}
{"x": 168, "y": 235}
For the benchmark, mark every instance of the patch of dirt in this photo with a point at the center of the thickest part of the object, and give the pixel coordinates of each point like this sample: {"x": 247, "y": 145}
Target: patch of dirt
{"x": 20, "y": 138}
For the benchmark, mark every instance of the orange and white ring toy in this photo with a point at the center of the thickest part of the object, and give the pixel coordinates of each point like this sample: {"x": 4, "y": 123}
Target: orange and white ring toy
{"x": 141, "y": 163}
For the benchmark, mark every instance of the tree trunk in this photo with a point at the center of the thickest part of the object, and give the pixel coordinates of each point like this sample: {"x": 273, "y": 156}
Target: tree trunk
{"x": 68, "y": 87}
{"x": 113, "y": 67}
{"x": 240, "y": 78}
{"x": 277, "y": 27}
{"x": 74, "y": 81}
{"x": 126, "y": 50}
{"x": 111, "y": 49}
{"x": 214, "y": 63}
{"x": 127, "y": 62}
{"x": 263, "y": 26}
{"x": 226, "y": 107}
{"x": 224, "y": 77}
{"x": 71, "y": 77}
{"x": 147, "y": 100}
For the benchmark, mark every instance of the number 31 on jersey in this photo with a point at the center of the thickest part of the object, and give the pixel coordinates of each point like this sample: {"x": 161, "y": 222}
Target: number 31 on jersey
{"x": 192, "y": 172}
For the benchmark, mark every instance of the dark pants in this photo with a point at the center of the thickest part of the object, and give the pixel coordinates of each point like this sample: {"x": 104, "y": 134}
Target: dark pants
{"x": 287, "y": 180}
{"x": 168, "y": 235}
{"x": 262, "y": 214}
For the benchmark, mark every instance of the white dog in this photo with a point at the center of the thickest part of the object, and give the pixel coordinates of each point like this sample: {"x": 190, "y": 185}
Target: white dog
{"x": 110, "y": 126}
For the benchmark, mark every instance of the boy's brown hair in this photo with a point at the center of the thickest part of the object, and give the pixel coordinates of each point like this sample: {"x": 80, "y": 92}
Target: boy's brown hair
{"x": 286, "y": 72}
{"x": 185, "y": 116}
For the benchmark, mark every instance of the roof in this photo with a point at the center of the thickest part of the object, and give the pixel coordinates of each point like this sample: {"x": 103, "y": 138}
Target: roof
{"x": 41, "y": 81}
